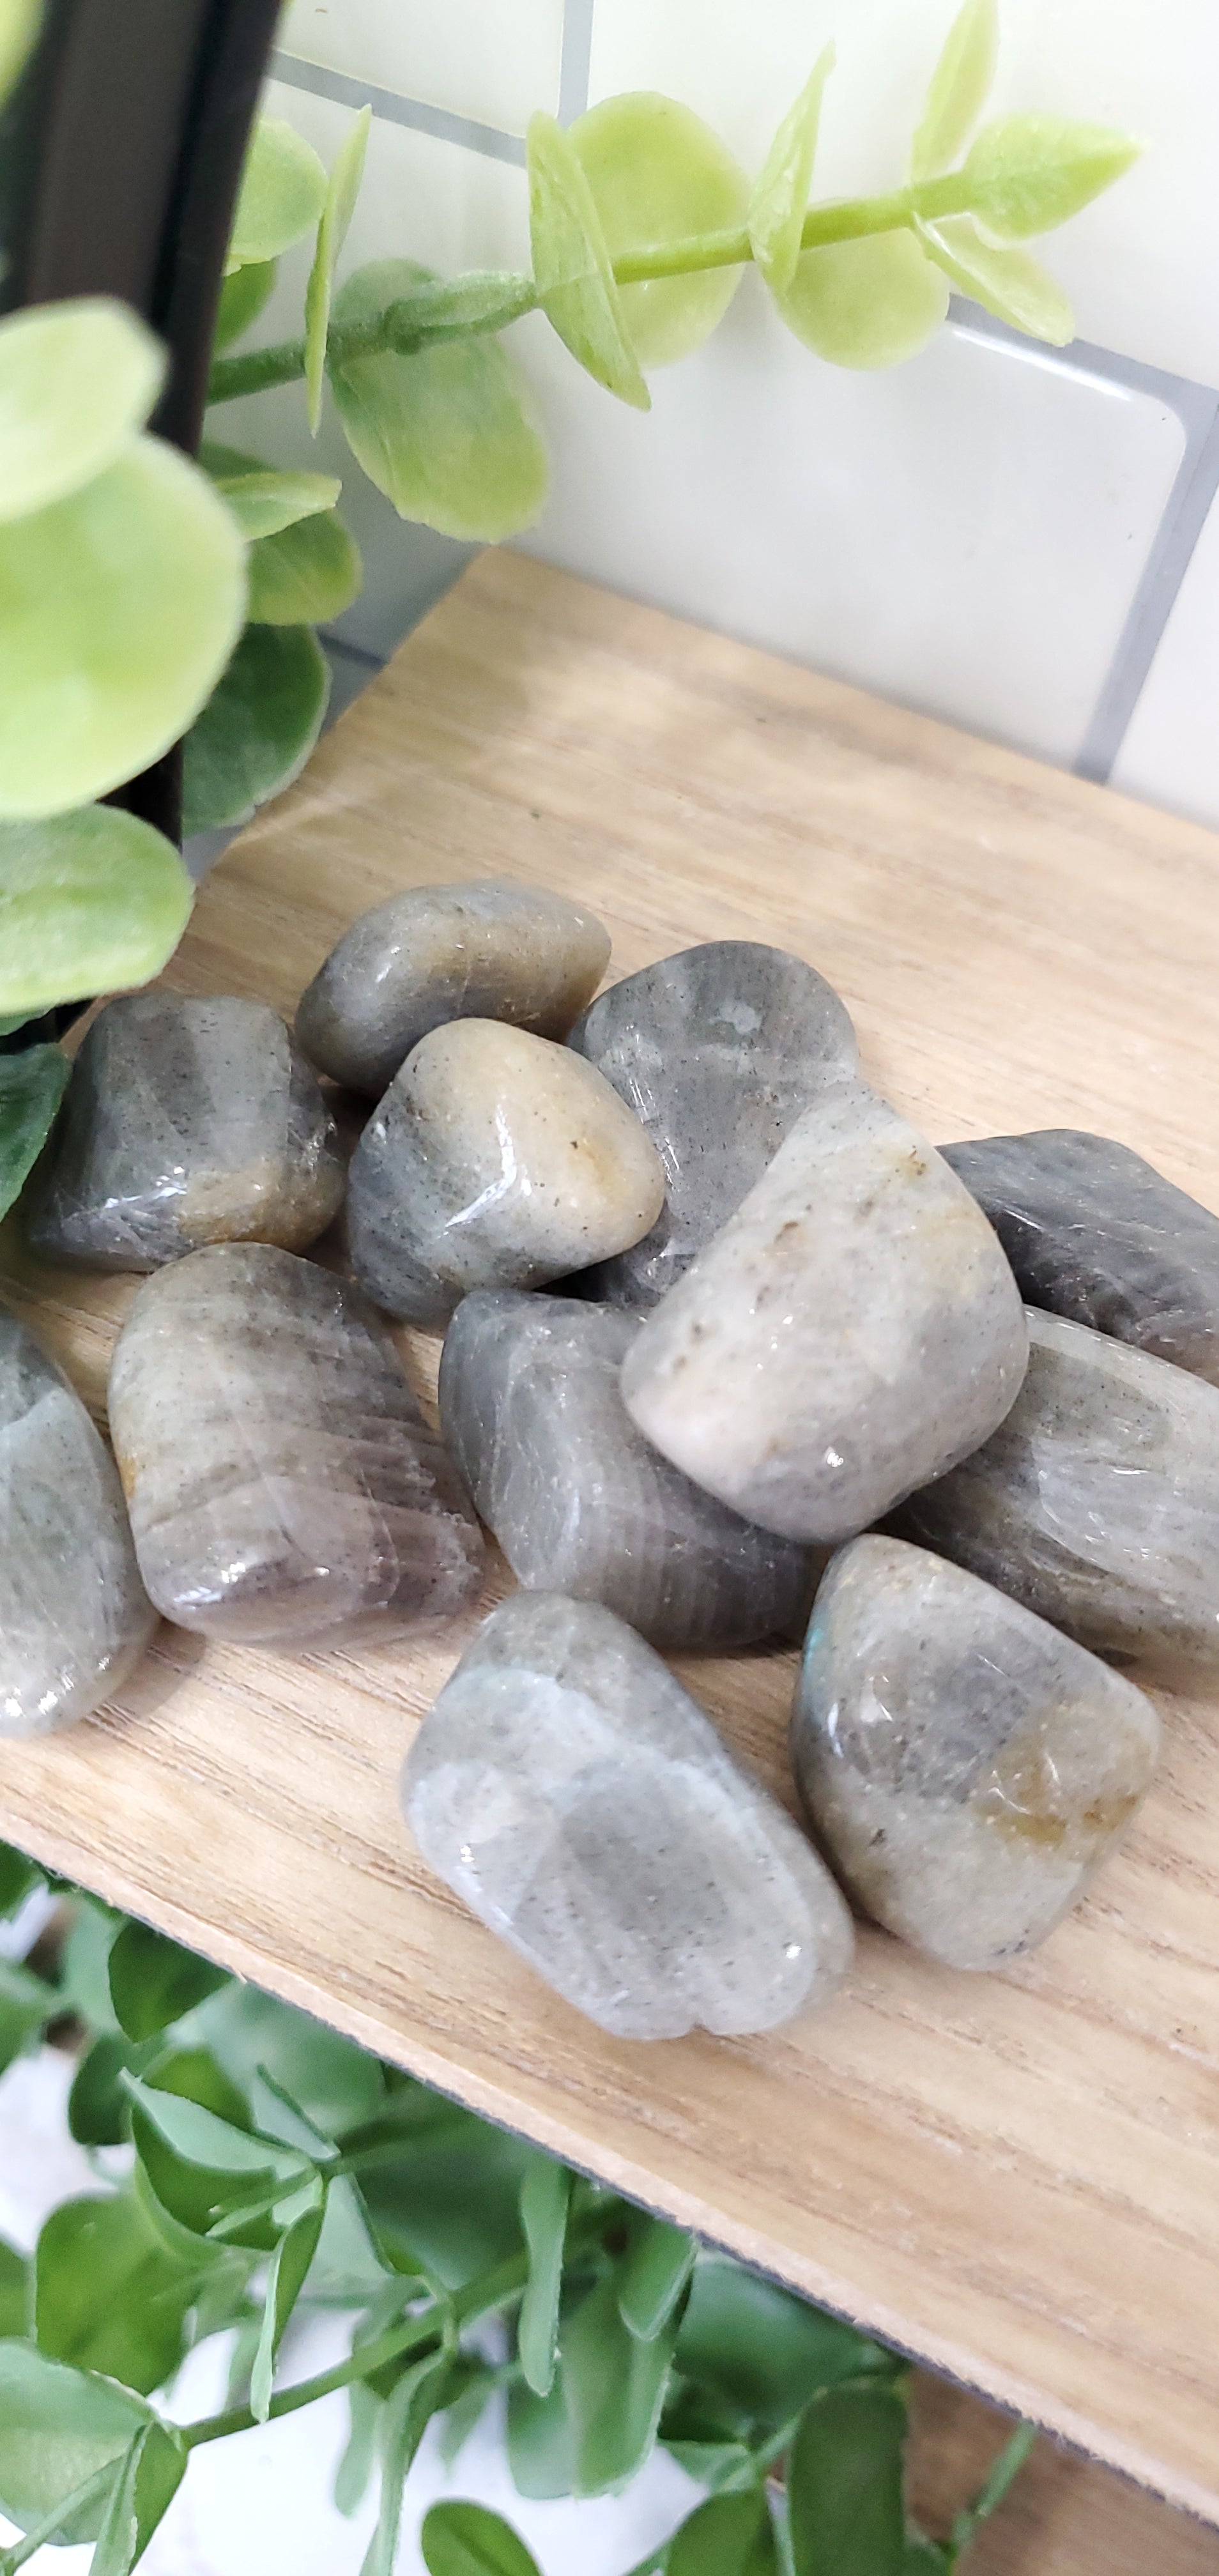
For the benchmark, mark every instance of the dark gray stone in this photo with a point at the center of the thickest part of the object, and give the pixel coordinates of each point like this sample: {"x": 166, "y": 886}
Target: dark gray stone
{"x": 582, "y": 1805}
{"x": 74, "y": 1615}
{"x": 282, "y": 1481}
{"x": 1096, "y": 1503}
{"x": 717, "y": 1050}
{"x": 965, "y": 1769}
{"x": 1095, "y": 1233}
{"x": 580, "y": 1502}
{"x": 185, "y": 1122}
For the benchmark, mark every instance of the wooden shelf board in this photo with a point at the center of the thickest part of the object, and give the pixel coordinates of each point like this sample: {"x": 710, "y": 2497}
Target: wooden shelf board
{"x": 1017, "y": 2176}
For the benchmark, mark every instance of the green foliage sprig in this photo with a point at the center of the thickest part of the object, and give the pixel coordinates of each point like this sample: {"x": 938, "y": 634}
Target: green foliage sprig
{"x": 278, "y": 2168}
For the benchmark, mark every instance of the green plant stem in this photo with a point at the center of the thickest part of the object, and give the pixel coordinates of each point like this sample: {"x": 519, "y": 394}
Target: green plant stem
{"x": 454, "y": 311}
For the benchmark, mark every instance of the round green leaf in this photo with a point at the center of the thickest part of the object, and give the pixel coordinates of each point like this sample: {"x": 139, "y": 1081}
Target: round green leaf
{"x": 729, "y": 2536}
{"x": 304, "y": 574}
{"x": 98, "y": 2107}
{"x": 242, "y": 298}
{"x": 154, "y": 1981}
{"x": 844, "y": 2484}
{"x": 468, "y": 2540}
{"x": 19, "y": 24}
{"x": 89, "y": 903}
{"x": 108, "y": 2296}
{"x": 76, "y": 380}
{"x": 444, "y": 433}
{"x": 258, "y": 728}
{"x": 340, "y": 206}
{"x": 658, "y": 174}
{"x": 960, "y": 86}
{"x": 283, "y": 191}
{"x": 57, "y": 2427}
{"x": 32, "y": 1085}
{"x": 867, "y": 303}
{"x": 1006, "y": 281}
{"x": 572, "y": 268}
{"x": 266, "y": 498}
{"x": 118, "y": 610}
{"x": 1027, "y": 174}
{"x": 14, "y": 2291}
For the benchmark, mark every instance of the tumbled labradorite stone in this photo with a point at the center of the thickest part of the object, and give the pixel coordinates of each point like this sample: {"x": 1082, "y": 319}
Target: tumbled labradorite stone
{"x": 495, "y": 1160}
{"x": 1095, "y": 1233}
{"x": 185, "y": 1122}
{"x": 1096, "y": 1503}
{"x": 717, "y": 1051}
{"x": 579, "y": 1501}
{"x": 74, "y": 1615}
{"x": 282, "y": 1481}
{"x": 569, "y": 1789}
{"x": 852, "y": 1331}
{"x": 965, "y": 1769}
{"x": 485, "y": 950}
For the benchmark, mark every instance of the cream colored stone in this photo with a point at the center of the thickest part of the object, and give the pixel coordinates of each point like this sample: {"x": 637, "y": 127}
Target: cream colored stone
{"x": 496, "y": 1160}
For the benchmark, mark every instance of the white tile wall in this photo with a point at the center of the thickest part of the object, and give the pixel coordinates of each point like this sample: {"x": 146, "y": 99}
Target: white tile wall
{"x": 495, "y": 60}
{"x": 1171, "y": 753}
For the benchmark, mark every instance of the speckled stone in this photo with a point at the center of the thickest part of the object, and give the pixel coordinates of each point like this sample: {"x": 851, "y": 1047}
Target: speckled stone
{"x": 717, "y": 1051}
{"x": 282, "y": 1482}
{"x": 578, "y": 1499}
{"x": 1097, "y": 1502}
{"x": 496, "y": 1160}
{"x": 184, "y": 1123}
{"x": 74, "y": 1615}
{"x": 569, "y": 1789}
{"x": 487, "y": 950}
{"x": 965, "y": 1769}
{"x": 1095, "y": 1233}
{"x": 854, "y": 1330}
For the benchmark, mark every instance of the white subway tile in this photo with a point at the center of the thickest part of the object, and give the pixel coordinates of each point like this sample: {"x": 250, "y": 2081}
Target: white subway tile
{"x": 1142, "y": 264}
{"x": 495, "y": 60}
{"x": 1171, "y": 751}
{"x": 964, "y": 534}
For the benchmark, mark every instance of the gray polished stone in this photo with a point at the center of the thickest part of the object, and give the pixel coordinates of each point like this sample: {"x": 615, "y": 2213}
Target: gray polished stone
{"x": 74, "y": 1615}
{"x": 1095, "y": 1233}
{"x": 965, "y": 1769}
{"x": 853, "y": 1331}
{"x": 495, "y": 1160}
{"x": 483, "y": 950}
{"x": 184, "y": 1123}
{"x": 1096, "y": 1503}
{"x": 580, "y": 1502}
{"x": 578, "y": 1800}
{"x": 717, "y": 1050}
{"x": 282, "y": 1481}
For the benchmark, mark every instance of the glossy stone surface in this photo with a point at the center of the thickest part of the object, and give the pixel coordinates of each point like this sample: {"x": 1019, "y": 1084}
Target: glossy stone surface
{"x": 486, "y": 950}
{"x": 717, "y": 1050}
{"x": 496, "y": 1160}
{"x": 580, "y": 1502}
{"x": 852, "y": 1331}
{"x": 74, "y": 1615}
{"x": 1095, "y": 1233}
{"x": 184, "y": 1123}
{"x": 1097, "y": 1501}
{"x": 569, "y": 1789}
{"x": 965, "y": 1769}
{"x": 282, "y": 1482}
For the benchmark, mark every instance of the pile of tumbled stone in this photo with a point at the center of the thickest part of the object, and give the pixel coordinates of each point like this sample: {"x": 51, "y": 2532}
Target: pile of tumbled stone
{"x": 785, "y": 1368}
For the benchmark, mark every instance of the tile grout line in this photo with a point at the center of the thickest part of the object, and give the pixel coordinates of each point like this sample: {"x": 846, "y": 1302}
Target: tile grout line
{"x": 440, "y": 122}
{"x": 576, "y": 61}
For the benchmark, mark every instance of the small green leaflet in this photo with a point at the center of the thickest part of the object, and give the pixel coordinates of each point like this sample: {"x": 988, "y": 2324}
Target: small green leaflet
{"x": 340, "y": 206}
{"x": 408, "y": 2412}
{"x": 243, "y": 296}
{"x": 356, "y": 2465}
{"x": 89, "y": 903}
{"x": 729, "y": 2536}
{"x": 844, "y": 2484}
{"x": 305, "y": 575}
{"x": 109, "y": 2295}
{"x": 1006, "y": 281}
{"x": 25, "y": 2005}
{"x": 285, "y": 2281}
{"x": 154, "y": 1981}
{"x": 77, "y": 379}
{"x": 658, "y": 174}
{"x": 148, "y": 2482}
{"x": 17, "y": 1874}
{"x": 58, "y": 2427}
{"x": 614, "y": 2387}
{"x": 14, "y": 2291}
{"x": 32, "y": 1084}
{"x": 203, "y": 2138}
{"x": 258, "y": 727}
{"x": 780, "y": 200}
{"x": 283, "y": 191}
{"x": 19, "y": 24}
{"x": 545, "y": 2195}
{"x": 1027, "y": 174}
{"x": 866, "y": 303}
{"x": 266, "y": 498}
{"x": 960, "y": 87}
{"x": 467, "y": 2540}
{"x": 572, "y": 268}
{"x": 654, "y": 2276}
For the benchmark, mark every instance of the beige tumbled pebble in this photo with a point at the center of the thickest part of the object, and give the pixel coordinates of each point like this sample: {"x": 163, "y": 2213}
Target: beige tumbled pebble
{"x": 495, "y": 1160}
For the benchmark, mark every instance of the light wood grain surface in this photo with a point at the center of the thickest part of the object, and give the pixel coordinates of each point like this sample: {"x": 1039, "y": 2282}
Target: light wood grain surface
{"x": 1017, "y": 2176}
